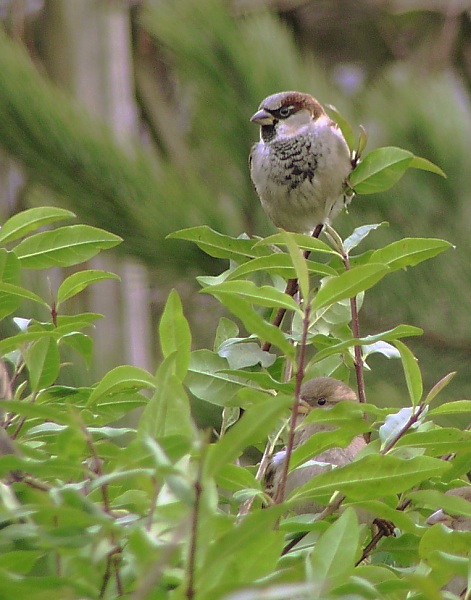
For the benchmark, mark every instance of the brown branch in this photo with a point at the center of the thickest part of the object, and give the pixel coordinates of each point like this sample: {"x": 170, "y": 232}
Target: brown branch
{"x": 190, "y": 589}
{"x": 280, "y": 492}
{"x": 358, "y": 360}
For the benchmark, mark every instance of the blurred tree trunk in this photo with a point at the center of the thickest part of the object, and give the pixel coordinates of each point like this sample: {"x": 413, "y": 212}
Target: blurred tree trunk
{"x": 87, "y": 50}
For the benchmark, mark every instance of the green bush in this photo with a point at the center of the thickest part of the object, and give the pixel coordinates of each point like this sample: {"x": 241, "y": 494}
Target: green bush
{"x": 91, "y": 509}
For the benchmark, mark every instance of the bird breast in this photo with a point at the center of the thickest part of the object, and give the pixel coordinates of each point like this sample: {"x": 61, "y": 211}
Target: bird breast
{"x": 300, "y": 178}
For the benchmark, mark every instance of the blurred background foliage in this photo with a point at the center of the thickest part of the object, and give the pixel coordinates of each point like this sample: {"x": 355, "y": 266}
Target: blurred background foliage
{"x": 136, "y": 116}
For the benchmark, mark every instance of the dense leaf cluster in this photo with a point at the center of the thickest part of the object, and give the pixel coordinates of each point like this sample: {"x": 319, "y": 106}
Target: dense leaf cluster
{"x": 91, "y": 509}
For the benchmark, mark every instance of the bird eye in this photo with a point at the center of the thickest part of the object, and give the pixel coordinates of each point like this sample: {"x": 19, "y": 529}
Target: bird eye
{"x": 285, "y": 111}
{"x": 321, "y": 401}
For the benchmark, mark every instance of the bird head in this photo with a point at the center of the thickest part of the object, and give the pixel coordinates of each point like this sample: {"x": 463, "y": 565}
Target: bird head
{"x": 324, "y": 392}
{"x": 286, "y": 113}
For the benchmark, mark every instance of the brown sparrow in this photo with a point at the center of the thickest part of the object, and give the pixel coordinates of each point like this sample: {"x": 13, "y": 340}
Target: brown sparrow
{"x": 321, "y": 393}
{"x": 300, "y": 165}
{"x": 457, "y": 522}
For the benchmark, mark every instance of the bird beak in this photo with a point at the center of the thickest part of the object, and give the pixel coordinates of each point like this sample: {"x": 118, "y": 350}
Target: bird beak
{"x": 439, "y": 516}
{"x": 262, "y": 117}
{"x": 303, "y": 407}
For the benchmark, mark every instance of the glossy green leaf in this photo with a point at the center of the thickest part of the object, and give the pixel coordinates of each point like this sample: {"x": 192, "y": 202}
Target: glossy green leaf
{"x": 411, "y": 371}
{"x": 278, "y": 263}
{"x": 306, "y": 242}
{"x": 30, "y": 220}
{"x": 425, "y": 165}
{"x": 255, "y": 425}
{"x": 125, "y": 377}
{"x": 168, "y": 411}
{"x": 75, "y": 283}
{"x": 390, "y": 335}
{"x": 409, "y": 252}
{"x": 207, "y": 380}
{"x": 359, "y": 234}
{"x": 20, "y": 292}
{"x": 299, "y": 263}
{"x": 333, "y": 557}
{"x": 80, "y": 342}
{"x": 225, "y": 330}
{"x": 437, "y": 442}
{"x": 454, "y": 407}
{"x": 263, "y": 296}
{"x": 175, "y": 334}
{"x": 380, "y": 170}
{"x": 372, "y": 476}
{"x": 219, "y": 245}
{"x": 245, "y": 354}
{"x": 63, "y": 247}
{"x": 348, "y": 284}
{"x": 9, "y": 273}
{"x": 43, "y": 362}
{"x": 256, "y": 324}
{"x": 344, "y": 125}
{"x": 439, "y": 386}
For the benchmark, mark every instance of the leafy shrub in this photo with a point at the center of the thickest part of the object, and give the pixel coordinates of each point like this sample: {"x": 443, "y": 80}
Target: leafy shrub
{"x": 95, "y": 510}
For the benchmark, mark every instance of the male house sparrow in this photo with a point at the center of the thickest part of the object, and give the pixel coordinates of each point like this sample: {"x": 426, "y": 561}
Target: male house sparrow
{"x": 300, "y": 165}
{"x": 321, "y": 393}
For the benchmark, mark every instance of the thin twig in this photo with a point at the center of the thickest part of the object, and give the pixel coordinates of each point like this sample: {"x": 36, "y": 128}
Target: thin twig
{"x": 291, "y": 289}
{"x": 280, "y": 492}
{"x": 190, "y": 589}
{"x": 358, "y": 361}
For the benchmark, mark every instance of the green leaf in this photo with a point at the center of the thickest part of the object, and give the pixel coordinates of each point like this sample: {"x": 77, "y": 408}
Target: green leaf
{"x": 9, "y": 273}
{"x": 244, "y": 553}
{"x": 80, "y": 342}
{"x": 175, "y": 334}
{"x": 306, "y": 242}
{"x": 348, "y": 284}
{"x": 344, "y": 125}
{"x": 380, "y": 170}
{"x": 263, "y": 296}
{"x": 437, "y": 441}
{"x": 219, "y": 245}
{"x": 409, "y": 252}
{"x": 372, "y": 476}
{"x": 278, "y": 263}
{"x": 20, "y": 292}
{"x": 299, "y": 263}
{"x": 255, "y": 324}
{"x": 245, "y": 354}
{"x": 439, "y": 386}
{"x": 359, "y": 234}
{"x": 411, "y": 372}
{"x": 63, "y": 247}
{"x": 434, "y": 499}
{"x": 206, "y": 378}
{"x": 226, "y": 329}
{"x": 42, "y": 360}
{"x": 390, "y": 335}
{"x": 333, "y": 557}
{"x": 455, "y": 407}
{"x": 425, "y": 165}
{"x": 124, "y": 377}
{"x": 233, "y": 477}
{"x": 77, "y": 282}
{"x": 30, "y": 220}
{"x": 168, "y": 411}
{"x": 255, "y": 425}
